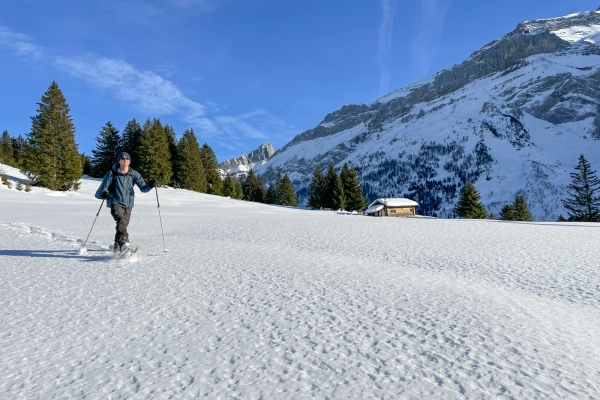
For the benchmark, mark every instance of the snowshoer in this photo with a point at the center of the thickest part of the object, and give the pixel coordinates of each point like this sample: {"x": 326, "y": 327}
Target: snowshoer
{"x": 117, "y": 189}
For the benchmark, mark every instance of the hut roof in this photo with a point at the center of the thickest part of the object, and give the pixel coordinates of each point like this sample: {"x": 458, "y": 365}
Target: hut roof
{"x": 395, "y": 202}
{"x": 374, "y": 209}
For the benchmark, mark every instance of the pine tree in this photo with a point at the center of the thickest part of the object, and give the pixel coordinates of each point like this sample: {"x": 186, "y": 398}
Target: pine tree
{"x": 189, "y": 170}
{"x": 239, "y": 190}
{"x": 51, "y": 159}
{"x": 19, "y": 186}
{"x": 6, "y": 150}
{"x": 172, "y": 140}
{"x": 27, "y": 186}
{"x": 211, "y": 169}
{"x": 130, "y": 142}
{"x": 107, "y": 149}
{"x": 469, "y": 205}
{"x": 520, "y": 209}
{"x": 228, "y": 186}
{"x": 339, "y": 200}
{"x": 86, "y": 163}
{"x": 254, "y": 188}
{"x": 154, "y": 155}
{"x": 287, "y": 195}
{"x": 271, "y": 194}
{"x": 20, "y": 147}
{"x": 333, "y": 190}
{"x": 278, "y": 184}
{"x": 353, "y": 191}
{"x": 583, "y": 203}
{"x": 507, "y": 213}
{"x": 315, "y": 192}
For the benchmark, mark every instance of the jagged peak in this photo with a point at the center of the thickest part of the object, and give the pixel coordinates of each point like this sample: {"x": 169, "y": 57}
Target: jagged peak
{"x": 262, "y": 153}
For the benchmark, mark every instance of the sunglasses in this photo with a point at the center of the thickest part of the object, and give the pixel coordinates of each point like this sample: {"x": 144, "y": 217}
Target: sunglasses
{"x": 125, "y": 158}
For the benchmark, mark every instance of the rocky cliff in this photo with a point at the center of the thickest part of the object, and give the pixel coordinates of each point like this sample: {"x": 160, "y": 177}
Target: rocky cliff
{"x": 513, "y": 117}
{"x": 241, "y": 165}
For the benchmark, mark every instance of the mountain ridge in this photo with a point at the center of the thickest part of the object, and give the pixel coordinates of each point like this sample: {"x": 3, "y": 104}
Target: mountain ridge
{"x": 546, "y": 69}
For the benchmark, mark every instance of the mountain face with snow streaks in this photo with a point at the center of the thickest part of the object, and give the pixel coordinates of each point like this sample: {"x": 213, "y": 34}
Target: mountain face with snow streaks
{"x": 512, "y": 118}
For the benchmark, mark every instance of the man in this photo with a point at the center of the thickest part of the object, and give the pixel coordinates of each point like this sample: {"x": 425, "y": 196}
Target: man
{"x": 117, "y": 188}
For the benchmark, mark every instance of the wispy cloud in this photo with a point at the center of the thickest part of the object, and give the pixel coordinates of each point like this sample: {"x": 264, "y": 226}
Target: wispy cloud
{"x": 425, "y": 47}
{"x": 147, "y": 91}
{"x": 20, "y": 43}
{"x": 384, "y": 44}
{"x": 150, "y": 93}
{"x": 257, "y": 124}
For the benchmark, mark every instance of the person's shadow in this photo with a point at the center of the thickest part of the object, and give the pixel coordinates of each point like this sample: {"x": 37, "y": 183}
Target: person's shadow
{"x": 72, "y": 254}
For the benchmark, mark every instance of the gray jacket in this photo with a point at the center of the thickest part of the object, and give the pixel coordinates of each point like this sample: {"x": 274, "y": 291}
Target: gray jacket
{"x": 122, "y": 192}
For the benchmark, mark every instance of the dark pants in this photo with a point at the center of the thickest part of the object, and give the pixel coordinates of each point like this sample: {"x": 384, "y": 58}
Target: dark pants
{"x": 121, "y": 216}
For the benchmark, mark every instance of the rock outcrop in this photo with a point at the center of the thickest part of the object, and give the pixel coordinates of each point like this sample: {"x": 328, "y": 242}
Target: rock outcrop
{"x": 242, "y": 164}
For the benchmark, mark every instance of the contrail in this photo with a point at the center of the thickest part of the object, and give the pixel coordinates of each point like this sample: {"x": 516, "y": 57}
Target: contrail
{"x": 425, "y": 47}
{"x": 384, "y": 44}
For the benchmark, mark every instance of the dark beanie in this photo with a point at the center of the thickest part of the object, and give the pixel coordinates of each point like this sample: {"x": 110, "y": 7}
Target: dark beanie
{"x": 123, "y": 154}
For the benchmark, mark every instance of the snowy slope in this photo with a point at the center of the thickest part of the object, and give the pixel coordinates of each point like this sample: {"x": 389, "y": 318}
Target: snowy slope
{"x": 258, "y": 301}
{"x": 514, "y": 117}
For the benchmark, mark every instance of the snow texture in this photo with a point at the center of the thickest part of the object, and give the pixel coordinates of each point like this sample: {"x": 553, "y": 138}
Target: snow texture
{"x": 256, "y": 301}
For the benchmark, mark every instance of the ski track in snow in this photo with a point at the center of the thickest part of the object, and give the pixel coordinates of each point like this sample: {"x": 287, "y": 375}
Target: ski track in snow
{"x": 255, "y": 301}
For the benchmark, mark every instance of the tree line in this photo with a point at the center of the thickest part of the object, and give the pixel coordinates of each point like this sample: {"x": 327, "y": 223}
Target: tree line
{"x": 582, "y": 202}
{"x": 49, "y": 156}
{"x": 336, "y": 192}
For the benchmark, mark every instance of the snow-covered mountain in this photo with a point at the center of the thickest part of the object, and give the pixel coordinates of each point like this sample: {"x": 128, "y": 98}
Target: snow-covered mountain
{"x": 240, "y": 166}
{"x": 513, "y": 117}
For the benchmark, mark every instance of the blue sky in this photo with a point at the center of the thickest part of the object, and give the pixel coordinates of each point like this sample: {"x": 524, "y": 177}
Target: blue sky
{"x": 240, "y": 72}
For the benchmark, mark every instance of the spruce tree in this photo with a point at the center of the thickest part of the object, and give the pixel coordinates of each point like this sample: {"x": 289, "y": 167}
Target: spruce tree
{"x": 583, "y": 203}
{"x": 353, "y": 190}
{"x": 228, "y": 186}
{"x": 6, "y": 150}
{"x": 238, "y": 190}
{"x": 469, "y": 205}
{"x": 107, "y": 149}
{"x": 287, "y": 195}
{"x": 86, "y": 163}
{"x": 51, "y": 158}
{"x": 507, "y": 213}
{"x": 315, "y": 191}
{"x": 271, "y": 194}
{"x": 211, "y": 169}
{"x": 172, "y": 140}
{"x": 278, "y": 185}
{"x": 189, "y": 170}
{"x": 520, "y": 209}
{"x": 254, "y": 188}
{"x": 154, "y": 155}
{"x": 339, "y": 200}
{"x": 130, "y": 142}
{"x": 27, "y": 186}
{"x": 20, "y": 147}
{"x": 333, "y": 192}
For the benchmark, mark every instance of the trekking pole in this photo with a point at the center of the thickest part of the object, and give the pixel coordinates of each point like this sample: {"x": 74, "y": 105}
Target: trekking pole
{"x": 83, "y": 249}
{"x": 161, "y": 227}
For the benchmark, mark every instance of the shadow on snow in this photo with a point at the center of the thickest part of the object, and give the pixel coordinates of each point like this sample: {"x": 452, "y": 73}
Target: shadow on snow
{"x": 56, "y": 254}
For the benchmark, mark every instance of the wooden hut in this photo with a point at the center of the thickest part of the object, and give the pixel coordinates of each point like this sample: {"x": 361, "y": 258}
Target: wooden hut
{"x": 392, "y": 208}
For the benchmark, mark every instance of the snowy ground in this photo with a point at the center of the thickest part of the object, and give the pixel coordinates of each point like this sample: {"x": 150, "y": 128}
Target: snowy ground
{"x": 257, "y": 301}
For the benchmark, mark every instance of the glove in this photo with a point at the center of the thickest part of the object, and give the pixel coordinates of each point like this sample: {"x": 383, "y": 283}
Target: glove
{"x": 155, "y": 183}
{"x": 105, "y": 195}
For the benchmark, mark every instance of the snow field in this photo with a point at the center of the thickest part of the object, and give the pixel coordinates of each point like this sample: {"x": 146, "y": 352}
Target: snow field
{"x": 256, "y": 301}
